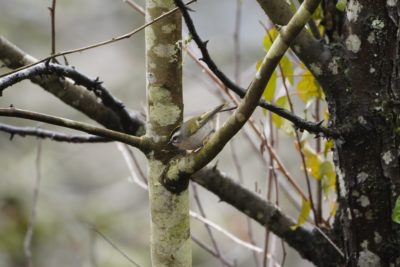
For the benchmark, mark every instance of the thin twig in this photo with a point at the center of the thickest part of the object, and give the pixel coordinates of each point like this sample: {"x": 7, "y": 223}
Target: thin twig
{"x": 138, "y": 142}
{"x": 115, "y": 247}
{"x": 112, "y": 40}
{"x": 211, "y": 251}
{"x": 237, "y": 164}
{"x": 226, "y": 233}
{"x": 55, "y": 136}
{"x": 284, "y": 253}
{"x": 32, "y": 217}
{"x": 330, "y": 241}
{"x": 283, "y": 183}
{"x": 52, "y": 10}
{"x": 291, "y": 108}
{"x": 128, "y": 157}
{"x": 318, "y": 151}
{"x": 92, "y": 255}
{"x": 303, "y": 160}
{"x": 210, "y": 234}
{"x": 135, "y": 6}
{"x": 136, "y": 163}
{"x": 236, "y": 40}
{"x": 271, "y": 178}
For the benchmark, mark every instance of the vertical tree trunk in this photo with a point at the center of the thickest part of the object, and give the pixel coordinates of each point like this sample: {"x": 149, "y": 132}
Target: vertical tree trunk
{"x": 368, "y": 159}
{"x": 170, "y": 232}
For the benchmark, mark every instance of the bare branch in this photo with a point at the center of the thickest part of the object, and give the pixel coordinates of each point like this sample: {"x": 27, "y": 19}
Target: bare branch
{"x": 71, "y": 94}
{"x": 236, "y": 41}
{"x": 307, "y": 240}
{"x": 236, "y": 163}
{"x": 32, "y": 217}
{"x": 135, "y": 6}
{"x": 52, "y": 10}
{"x": 129, "y": 160}
{"x": 214, "y": 243}
{"x": 226, "y": 233}
{"x": 211, "y": 251}
{"x": 115, "y": 246}
{"x": 139, "y": 142}
{"x": 93, "y": 85}
{"x": 55, "y": 136}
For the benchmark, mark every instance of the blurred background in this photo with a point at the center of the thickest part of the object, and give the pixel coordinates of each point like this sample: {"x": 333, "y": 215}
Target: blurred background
{"x": 86, "y": 195}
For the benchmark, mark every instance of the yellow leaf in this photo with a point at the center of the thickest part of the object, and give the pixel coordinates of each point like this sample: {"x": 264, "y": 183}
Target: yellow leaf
{"x": 269, "y": 38}
{"x": 326, "y": 115}
{"x": 333, "y": 209}
{"x": 269, "y": 91}
{"x": 280, "y": 122}
{"x": 276, "y": 119}
{"x": 308, "y": 87}
{"x": 304, "y": 212}
{"x": 287, "y": 69}
{"x": 328, "y": 176}
{"x": 328, "y": 147}
{"x": 313, "y": 162}
{"x": 318, "y": 13}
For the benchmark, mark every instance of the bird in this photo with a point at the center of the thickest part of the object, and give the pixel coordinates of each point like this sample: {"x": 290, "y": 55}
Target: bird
{"x": 194, "y": 132}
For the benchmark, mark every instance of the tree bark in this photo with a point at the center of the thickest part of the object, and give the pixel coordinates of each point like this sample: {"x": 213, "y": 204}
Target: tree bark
{"x": 170, "y": 231}
{"x": 367, "y": 160}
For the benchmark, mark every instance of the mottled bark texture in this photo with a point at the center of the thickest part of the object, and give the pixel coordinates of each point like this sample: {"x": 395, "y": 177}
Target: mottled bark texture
{"x": 170, "y": 230}
{"x": 367, "y": 100}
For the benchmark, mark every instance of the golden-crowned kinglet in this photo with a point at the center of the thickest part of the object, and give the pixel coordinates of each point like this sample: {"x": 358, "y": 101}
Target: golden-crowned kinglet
{"x": 194, "y": 132}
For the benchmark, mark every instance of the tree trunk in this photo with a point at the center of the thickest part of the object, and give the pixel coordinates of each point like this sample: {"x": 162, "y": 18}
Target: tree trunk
{"x": 367, "y": 159}
{"x": 170, "y": 231}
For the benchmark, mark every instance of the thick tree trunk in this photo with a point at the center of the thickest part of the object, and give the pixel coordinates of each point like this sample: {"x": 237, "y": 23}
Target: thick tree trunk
{"x": 170, "y": 231}
{"x": 367, "y": 160}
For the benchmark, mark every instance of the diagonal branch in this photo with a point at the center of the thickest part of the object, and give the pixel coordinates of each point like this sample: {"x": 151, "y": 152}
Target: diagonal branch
{"x": 298, "y": 122}
{"x": 307, "y": 240}
{"x": 60, "y": 137}
{"x": 93, "y": 85}
{"x": 71, "y": 94}
{"x": 141, "y": 143}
